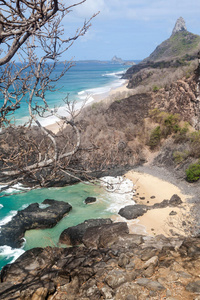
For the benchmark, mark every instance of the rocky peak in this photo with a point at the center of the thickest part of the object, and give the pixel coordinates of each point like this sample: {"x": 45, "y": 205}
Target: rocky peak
{"x": 179, "y": 26}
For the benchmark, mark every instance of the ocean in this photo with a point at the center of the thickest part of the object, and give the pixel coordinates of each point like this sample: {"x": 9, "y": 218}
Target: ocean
{"x": 85, "y": 78}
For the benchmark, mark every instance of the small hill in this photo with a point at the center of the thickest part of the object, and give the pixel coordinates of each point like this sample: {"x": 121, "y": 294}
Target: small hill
{"x": 174, "y": 53}
{"x": 182, "y": 43}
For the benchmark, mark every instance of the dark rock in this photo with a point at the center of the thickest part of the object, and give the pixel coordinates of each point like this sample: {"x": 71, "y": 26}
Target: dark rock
{"x": 152, "y": 197}
{"x": 123, "y": 260}
{"x": 133, "y": 211}
{"x": 90, "y": 200}
{"x": 104, "y": 235}
{"x": 175, "y": 200}
{"x": 150, "y": 284}
{"x": 74, "y": 235}
{"x": 32, "y": 217}
{"x": 193, "y": 287}
{"x": 163, "y": 204}
{"x": 115, "y": 278}
{"x": 142, "y": 198}
{"x": 173, "y": 213}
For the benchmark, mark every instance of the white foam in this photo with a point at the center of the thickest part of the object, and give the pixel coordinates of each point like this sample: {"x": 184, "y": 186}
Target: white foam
{"x": 42, "y": 206}
{"x": 8, "y": 218}
{"x": 15, "y": 188}
{"x": 1, "y": 206}
{"x": 10, "y": 252}
{"x": 113, "y": 74}
{"x": 120, "y": 192}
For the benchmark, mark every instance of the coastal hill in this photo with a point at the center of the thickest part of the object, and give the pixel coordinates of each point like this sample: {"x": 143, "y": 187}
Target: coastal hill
{"x": 179, "y": 51}
{"x": 182, "y": 44}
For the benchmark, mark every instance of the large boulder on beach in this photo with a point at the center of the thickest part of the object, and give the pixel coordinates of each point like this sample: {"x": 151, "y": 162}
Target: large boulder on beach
{"x": 133, "y": 211}
{"x": 35, "y": 216}
{"x": 104, "y": 235}
{"x": 74, "y": 235}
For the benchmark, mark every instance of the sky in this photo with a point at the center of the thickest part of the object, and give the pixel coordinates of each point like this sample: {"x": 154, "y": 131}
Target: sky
{"x": 129, "y": 29}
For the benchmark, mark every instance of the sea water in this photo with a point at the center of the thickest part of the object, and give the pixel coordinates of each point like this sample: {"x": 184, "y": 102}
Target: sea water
{"x": 108, "y": 203}
{"x": 83, "y": 80}
{"x": 86, "y": 78}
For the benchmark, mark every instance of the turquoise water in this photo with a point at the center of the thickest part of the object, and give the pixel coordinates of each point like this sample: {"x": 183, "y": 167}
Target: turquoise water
{"x": 84, "y": 78}
{"x": 75, "y": 195}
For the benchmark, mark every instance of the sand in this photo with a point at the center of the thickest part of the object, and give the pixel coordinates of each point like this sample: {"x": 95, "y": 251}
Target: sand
{"x": 157, "y": 221}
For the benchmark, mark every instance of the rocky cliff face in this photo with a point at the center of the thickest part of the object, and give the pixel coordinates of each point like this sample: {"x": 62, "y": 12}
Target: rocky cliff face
{"x": 126, "y": 267}
{"x": 179, "y": 26}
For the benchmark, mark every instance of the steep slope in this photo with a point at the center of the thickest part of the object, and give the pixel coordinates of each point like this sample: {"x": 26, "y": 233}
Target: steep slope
{"x": 177, "y": 51}
{"x": 182, "y": 44}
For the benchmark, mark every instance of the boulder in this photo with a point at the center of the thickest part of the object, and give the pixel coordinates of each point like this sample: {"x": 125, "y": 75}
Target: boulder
{"x": 74, "y": 235}
{"x": 133, "y": 211}
{"x": 104, "y": 235}
{"x": 175, "y": 200}
{"x": 90, "y": 200}
{"x": 32, "y": 217}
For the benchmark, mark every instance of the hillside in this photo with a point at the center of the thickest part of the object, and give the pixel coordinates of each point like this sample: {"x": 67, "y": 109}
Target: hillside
{"x": 182, "y": 45}
{"x": 177, "y": 52}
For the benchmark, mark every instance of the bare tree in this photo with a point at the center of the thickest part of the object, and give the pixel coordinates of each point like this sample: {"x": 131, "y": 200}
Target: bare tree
{"x": 27, "y": 153}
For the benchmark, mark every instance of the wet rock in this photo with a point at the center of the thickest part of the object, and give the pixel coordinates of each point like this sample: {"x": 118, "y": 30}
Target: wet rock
{"x": 74, "y": 235}
{"x": 133, "y": 211}
{"x": 90, "y": 200}
{"x": 32, "y": 217}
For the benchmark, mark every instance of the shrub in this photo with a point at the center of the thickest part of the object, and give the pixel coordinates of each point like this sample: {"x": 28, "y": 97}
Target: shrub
{"x": 155, "y": 88}
{"x": 181, "y": 135}
{"x": 180, "y": 156}
{"x": 193, "y": 172}
{"x": 155, "y": 137}
{"x": 195, "y": 144}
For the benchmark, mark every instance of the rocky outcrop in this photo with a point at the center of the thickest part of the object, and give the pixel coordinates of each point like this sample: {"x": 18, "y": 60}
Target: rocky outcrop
{"x": 179, "y": 26}
{"x": 131, "y": 267}
{"x": 101, "y": 236}
{"x": 89, "y": 200}
{"x": 134, "y": 211}
{"x": 74, "y": 235}
{"x": 34, "y": 216}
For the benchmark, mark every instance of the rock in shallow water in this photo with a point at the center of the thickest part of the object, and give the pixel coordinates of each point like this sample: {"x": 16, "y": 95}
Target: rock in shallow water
{"x": 90, "y": 200}
{"x": 32, "y": 217}
{"x": 74, "y": 235}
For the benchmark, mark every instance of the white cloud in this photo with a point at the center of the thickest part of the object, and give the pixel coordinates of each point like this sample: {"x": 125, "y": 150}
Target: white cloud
{"x": 90, "y": 7}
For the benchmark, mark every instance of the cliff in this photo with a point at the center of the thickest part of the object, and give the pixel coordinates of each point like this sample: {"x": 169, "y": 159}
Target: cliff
{"x": 118, "y": 267}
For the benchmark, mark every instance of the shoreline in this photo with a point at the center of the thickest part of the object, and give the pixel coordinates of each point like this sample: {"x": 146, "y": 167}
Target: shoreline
{"x": 151, "y": 189}
{"x": 96, "y": 98}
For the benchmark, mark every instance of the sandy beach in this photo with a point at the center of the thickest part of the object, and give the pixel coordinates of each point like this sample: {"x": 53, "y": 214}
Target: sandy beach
{"x": 150, "y": 190}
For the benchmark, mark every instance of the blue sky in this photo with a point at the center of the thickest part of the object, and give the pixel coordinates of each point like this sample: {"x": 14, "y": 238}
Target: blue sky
{"x": 130, "y": 29}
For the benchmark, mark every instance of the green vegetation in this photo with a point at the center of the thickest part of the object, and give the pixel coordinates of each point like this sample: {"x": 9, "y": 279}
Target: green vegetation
{"x": 181, "y": 45}
{"x": 195, "y": 143}
{"x": 179, "y": 156}
{"x": 193, "y": 172}
{"x": 155, "y": 88}
{"x": 155, "y": 137}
